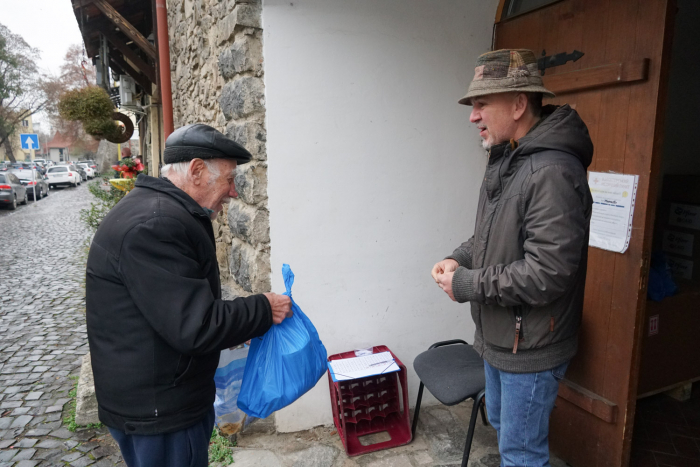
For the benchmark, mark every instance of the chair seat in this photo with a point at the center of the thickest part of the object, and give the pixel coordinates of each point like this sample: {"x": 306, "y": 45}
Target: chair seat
{"x": 451, "y": 373}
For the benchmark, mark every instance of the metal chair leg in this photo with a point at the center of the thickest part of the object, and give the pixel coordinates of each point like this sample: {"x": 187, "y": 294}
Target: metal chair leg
{"x": 416, "y": 411}
{"x": 483, "y": 414}
{"x": 478, "y": 400}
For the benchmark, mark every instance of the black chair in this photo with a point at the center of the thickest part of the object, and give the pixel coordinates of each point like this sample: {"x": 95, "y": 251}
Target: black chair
{"x": 452, "y": 373}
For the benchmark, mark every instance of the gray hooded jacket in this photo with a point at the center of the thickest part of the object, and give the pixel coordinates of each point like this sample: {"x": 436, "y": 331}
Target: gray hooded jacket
{"x": 524, "y": 270}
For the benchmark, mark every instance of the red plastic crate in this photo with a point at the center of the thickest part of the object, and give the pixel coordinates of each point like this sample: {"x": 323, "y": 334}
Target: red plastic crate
{"x": 371, "y": 405}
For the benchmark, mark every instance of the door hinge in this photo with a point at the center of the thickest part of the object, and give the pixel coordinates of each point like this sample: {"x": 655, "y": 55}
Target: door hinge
{"x": 556, "y": 60}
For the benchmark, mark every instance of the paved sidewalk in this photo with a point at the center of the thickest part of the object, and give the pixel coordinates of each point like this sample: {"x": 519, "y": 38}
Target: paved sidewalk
{"x": 43, "y": 335}
{"x": 439, "y": 442}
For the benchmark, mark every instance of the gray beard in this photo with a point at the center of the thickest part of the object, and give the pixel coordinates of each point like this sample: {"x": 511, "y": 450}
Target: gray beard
{"x": 485, "y": 144}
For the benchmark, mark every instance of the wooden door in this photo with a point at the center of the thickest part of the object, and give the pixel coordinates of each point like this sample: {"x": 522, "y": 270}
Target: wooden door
{"x": 618, "y": 88}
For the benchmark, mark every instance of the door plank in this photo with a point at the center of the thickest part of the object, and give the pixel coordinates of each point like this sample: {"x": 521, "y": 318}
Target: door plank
{"x": 605, "y": 75}
{"x": 588, "y": 401}
{"x": 643, "y": 157}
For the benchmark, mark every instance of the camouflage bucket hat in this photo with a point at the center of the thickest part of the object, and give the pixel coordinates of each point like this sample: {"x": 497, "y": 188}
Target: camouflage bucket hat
{"x": 505, "y": 71}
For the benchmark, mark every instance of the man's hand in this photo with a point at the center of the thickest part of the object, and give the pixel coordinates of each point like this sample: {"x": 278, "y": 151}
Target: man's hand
{"x": 444, "y": 266}
{"x": 445, "y": 283}
{"x": 281, "y": 306}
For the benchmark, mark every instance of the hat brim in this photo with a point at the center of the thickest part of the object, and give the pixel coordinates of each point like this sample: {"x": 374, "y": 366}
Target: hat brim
{"x": 467, "y": 100}
{"x": 175, "y": 154}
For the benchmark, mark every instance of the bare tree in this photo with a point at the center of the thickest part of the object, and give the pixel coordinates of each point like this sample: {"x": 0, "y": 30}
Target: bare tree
{"x": 21, "y": 88}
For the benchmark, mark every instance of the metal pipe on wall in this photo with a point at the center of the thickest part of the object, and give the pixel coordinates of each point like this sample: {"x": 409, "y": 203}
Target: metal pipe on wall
{"x": 164, "y": 67}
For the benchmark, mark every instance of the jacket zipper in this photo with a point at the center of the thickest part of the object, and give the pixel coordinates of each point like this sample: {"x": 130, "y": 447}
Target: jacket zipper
{"x": 518, "y": 323}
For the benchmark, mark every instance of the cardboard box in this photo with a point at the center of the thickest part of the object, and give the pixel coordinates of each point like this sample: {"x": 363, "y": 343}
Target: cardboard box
{"x": 670, "y": 345}
{"x": 684, "y": 215}
{"x": 678, "y": 243}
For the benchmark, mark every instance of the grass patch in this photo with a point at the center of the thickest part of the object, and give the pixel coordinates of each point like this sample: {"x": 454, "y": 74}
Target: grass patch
{"x": 220, "y": 449}
{"x": 69, "y": 419}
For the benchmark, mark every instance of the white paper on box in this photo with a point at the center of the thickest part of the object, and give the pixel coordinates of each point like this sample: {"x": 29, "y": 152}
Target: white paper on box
{"x": 360, "y": 367}
{"x": 613, "y": 209}
{"x": 680, "y": 268}
{"x": 678, "y": 243}
{"x": 685, "y": 215}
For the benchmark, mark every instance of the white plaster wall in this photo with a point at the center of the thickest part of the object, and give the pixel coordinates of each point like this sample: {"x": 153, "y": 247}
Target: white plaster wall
{"x": 374, "y": 169}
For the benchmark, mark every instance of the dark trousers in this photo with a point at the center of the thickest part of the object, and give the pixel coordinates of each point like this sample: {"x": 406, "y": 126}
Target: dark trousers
{"x": 184, "y": 448}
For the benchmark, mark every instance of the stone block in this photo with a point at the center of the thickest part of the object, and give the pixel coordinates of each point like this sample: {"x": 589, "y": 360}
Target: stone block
{"x": 242, "y": 264}
{"x": 250, "y": 267}
{"x": 250, "y": 135}
{"x": 251, "y": 183}
{"x": 261, "y": 279}
{"x": 242, "y": 97}
{"x": 243, "y": 15}
{"x": 315, "y": 456}
{"x": 86, "y": 402}
{"x": 255, "y": 458}
{"x": 249, "y": 223}
{"x": 244, "y": 55}
{"x": 223, "y": 251}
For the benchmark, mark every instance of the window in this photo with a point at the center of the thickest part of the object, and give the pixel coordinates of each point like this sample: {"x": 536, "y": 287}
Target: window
{"x": 57, "y": 169}
{"x": 2, "y": 179}
{"x": 517, "y": 7}
{"x": 25, "y": 123}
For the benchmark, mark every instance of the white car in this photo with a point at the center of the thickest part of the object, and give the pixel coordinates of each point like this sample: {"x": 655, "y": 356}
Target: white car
{"x": 63, "y": 175}
{"x": 88, "y": 170}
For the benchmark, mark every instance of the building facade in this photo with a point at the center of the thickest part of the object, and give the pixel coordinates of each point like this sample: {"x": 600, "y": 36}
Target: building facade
{"x": 15, "y": 143}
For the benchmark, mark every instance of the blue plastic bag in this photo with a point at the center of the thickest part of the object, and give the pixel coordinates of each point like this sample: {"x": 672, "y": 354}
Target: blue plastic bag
{"x": 283, "y": 364}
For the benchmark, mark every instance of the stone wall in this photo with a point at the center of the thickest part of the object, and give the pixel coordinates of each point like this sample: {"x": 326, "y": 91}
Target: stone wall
{"x": 217, "y": 79}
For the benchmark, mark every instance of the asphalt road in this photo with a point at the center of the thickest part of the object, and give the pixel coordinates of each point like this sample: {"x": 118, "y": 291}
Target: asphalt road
{"x": 42, "y": 333}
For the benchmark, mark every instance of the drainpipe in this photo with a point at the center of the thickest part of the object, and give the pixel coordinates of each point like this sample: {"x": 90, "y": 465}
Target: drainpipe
{"x": 164, "y": 67}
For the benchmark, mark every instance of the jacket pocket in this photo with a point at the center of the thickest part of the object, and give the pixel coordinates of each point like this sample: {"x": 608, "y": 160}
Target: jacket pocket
{"x": 183, "y": 366}
{"x": 498, "y": 325}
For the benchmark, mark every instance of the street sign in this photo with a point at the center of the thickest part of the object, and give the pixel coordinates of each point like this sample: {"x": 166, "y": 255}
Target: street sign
{"x": 29, "y": 140}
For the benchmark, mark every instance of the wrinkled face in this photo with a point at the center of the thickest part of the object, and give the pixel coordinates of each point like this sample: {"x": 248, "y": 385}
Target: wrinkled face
{"x": 219, "y": 189}
{"x": 495, "y": 117}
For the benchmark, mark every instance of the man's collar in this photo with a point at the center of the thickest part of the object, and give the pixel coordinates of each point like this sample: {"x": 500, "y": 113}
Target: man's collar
{"x": 164, "y": 185}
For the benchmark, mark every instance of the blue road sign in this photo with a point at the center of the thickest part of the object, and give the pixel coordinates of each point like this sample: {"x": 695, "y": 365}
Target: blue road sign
{"x": 29, "y": 140}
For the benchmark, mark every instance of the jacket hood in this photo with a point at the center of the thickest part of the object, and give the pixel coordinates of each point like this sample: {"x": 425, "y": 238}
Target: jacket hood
{"x": 166, "y": 186}
{"x": 561, "y": 129}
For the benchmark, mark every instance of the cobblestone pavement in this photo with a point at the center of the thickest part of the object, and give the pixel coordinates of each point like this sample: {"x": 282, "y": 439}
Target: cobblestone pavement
{"x": 43, "y": 335}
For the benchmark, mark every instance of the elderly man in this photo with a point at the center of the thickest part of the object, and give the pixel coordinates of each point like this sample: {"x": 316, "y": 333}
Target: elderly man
{"x": 524, "y": 270}
{"x": 156, "y": 321}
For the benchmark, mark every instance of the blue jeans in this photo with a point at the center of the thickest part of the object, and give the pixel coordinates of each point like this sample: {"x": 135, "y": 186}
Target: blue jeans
{"x": 518, "y": 406}
{"x": 185, "y": 448}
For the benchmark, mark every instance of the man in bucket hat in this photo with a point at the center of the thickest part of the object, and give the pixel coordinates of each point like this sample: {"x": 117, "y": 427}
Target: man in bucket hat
{"x": 155, "y": 318}
{"x": 524, "y": 270}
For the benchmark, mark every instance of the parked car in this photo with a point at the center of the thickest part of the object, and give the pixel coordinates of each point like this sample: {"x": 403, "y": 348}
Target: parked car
{"x": 93, "y": 166}
{"x": 88, "y": 170}
{"x": 41, "y": 167}
{"x": 63, "y": 175}
{"x": 81, "y": 171}
{"x": 12, "y": 191}
{"x": 5, "y": 166}
{"x": 33, "y": 181}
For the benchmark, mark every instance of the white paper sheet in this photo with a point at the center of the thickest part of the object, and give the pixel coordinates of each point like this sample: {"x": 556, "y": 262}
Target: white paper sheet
{"x": 361, "y": 367}
{"x": 613, "y": 208}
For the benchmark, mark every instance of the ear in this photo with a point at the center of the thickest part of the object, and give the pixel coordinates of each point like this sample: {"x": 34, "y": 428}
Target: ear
{"x": 519, "y": 106}
{"x": 196, "y": 170}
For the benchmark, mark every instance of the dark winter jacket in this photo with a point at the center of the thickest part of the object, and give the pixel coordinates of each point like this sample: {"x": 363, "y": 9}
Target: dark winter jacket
{"x": 524, "y": 270}
{"x": 155, "y": 318}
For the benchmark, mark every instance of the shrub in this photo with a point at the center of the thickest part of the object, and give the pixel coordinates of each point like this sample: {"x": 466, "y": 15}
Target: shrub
{"x": 107, "y": 197}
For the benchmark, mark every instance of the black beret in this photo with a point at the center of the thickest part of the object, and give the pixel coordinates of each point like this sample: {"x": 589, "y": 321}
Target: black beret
{"x": 204, "y": 142}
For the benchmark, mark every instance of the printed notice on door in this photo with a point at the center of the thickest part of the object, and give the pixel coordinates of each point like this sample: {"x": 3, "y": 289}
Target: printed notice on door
{"x": 613, "y": 209}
